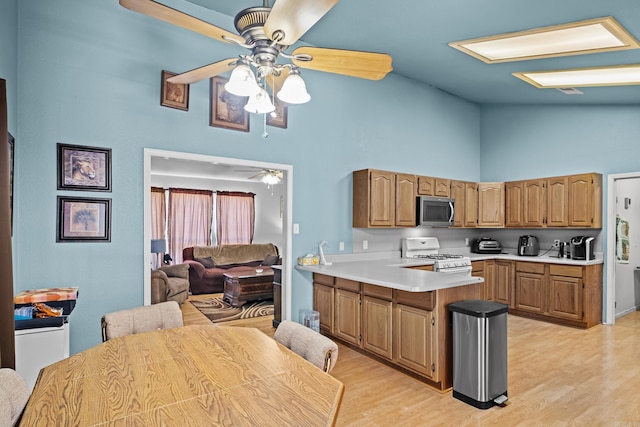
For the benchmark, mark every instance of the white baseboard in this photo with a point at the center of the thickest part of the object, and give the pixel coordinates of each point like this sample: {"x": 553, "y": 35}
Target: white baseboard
{"x": 627, "y": 311}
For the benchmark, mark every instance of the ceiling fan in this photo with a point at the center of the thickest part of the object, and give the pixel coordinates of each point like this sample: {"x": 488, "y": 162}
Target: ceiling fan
{"x": 268, "y": 176}
{"x": 267, "y": 32}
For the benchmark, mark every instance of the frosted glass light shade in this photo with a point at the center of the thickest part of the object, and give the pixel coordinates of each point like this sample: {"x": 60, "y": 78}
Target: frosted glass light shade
{"x": 260, "y": 103}
{"x": 242, "y": 81}
{"x": 294, "y": 90}
{"x": 270, "y": 179}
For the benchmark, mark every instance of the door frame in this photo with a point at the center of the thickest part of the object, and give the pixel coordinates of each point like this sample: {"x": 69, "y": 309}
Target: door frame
{"x": 287, "y": 226}
{"x": 610, "y": 294}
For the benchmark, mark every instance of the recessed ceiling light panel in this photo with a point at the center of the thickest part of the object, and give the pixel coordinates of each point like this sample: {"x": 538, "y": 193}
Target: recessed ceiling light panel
{"x": 575, "y": 38}
{"x": 619, "y": 75}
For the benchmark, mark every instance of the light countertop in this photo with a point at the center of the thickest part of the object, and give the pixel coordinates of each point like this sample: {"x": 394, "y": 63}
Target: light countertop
{"x": 389, "y": 272}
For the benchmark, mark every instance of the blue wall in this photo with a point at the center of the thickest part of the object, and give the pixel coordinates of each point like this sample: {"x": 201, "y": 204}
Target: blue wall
{"x": 90, "y": 75}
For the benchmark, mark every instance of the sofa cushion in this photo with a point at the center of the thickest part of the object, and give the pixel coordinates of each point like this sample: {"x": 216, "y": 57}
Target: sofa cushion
{"x": 206, "y": 261}
{"x": 234, "y": 254}
{"x": 178, "y": 270}
{"x": 270, "y": 260}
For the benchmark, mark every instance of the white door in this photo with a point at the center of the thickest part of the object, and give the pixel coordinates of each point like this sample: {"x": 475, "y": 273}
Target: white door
{"x": 627, "y": 262}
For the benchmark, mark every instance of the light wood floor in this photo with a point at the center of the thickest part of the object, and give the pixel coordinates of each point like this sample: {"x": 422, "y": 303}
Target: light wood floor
{"x": 558, "y": 376}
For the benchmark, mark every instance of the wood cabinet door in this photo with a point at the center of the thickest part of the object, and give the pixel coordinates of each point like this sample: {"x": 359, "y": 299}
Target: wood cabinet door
{"x": 426, "y": 186}
{"x": 405, "y": 203}
{"x": 513, "y": 204}
{"x": 491, "y": 204}
{"x": 503, "y": 281}
{"x": 581, "y": 200}
{"x": 529, "y": 292}
{"x": 565, "y": 297}
{"x": 558, "y": 201}
{"x": 377, "y": 325}
{"x": 413, "y": 338}
{"x": 347, "y": 316}
{"x": 382, "y": 199}
{"x": 458, "y": 193}
{"x": 442, "y": 187}
{"x": 534, "y": 203}
{"x": 323, "y": 300}
{"x": 470, "y": 204}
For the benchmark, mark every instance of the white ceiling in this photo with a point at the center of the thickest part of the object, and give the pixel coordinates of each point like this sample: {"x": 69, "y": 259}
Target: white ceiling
{"x": 416, "y": 34}
{"x": 187, "y": 168}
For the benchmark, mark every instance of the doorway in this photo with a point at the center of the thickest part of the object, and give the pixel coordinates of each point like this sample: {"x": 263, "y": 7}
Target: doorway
{"x": 287, "y": 182}
{"x": 623, "y": 246}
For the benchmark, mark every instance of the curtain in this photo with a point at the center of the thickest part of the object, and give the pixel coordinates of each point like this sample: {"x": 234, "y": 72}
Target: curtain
{"x": 190, "y": 217}
{"x": 235, "y": 217}
{"x": 158, "y": 213}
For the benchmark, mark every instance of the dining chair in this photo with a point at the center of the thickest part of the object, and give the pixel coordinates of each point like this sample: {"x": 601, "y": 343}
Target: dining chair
{"x": 314, "y": 347}
{"x": 14, "y": 394}
{"x": 137, "y": 320}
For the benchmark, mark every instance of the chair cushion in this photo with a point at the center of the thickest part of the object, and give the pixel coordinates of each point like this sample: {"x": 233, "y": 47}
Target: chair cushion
{"x": 270, "y": 260}
{"x": 206, "y": 261}
{"x": 143, "y": 319}
{"x": 178, "y": 270}
{"x": 14, "y": 394}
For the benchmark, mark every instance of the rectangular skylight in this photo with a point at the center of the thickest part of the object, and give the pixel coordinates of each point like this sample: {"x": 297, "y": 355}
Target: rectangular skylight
{"x": 575, "y": 38}
{"x": 596, "y": 76}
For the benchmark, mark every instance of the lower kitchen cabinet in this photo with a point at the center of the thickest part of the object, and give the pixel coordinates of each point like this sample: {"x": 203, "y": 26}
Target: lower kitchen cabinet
{"x": 565, "y": 292}
{"x": 503, "y": 281}
{"x": 414, "y": 339}
{"x": 377, "y": 323}
{"x": 486, "y": 270}
{"x": 529, "y": 292}
{"x": 347, "y": 316}
{"x": 323, "y": 300}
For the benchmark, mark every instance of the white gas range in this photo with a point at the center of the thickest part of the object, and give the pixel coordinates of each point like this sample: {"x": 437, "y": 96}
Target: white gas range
{"x": 428, "y": 248}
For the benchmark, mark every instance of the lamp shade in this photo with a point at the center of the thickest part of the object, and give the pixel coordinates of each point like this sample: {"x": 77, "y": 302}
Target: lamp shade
{"x": 260, "y": 103}
{"x": 294, "y": 90}
{"x": 158, "y": 246}
{"x": 242, "y": 82}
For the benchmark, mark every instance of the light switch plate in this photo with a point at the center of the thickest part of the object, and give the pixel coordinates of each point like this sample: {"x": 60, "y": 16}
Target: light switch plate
{"x": 296, "y": 228}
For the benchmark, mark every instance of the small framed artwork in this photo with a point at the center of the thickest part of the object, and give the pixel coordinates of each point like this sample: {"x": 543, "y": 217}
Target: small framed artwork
{"x": 227, "y": 110}
{"x": 83, "y": 219}
{"x": 174, "y": 95}
{"x": 280, "y": 119}
{"x": 84, "y": 168}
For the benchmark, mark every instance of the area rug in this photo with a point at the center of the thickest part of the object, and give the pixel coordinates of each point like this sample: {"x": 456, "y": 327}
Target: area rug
{"x": 218, "y": 310}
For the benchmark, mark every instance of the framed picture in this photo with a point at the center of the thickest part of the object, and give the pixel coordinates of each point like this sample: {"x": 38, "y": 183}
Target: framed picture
{"x": 227, "y": 110}
{"x": 83, "y": 219}
{"x": 11, "y": 164}
{"x": 84, "y": 168}
{"x": 280, "y": 120}
{"x": 174, "y": 95}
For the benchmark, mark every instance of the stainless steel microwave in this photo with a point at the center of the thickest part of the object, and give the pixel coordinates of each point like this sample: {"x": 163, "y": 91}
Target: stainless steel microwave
{"x": 434, "y": 211}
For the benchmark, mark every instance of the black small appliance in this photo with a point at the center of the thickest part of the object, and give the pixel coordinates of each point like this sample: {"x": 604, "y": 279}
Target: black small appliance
{"x": 486, "y": 245}
{"x": 582, "y": 247}
{"x": 528, "y": 246}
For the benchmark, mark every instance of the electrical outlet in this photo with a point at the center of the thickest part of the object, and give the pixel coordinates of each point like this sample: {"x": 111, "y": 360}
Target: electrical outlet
{"x": 556, "y": 243}
{"x": 365, "y": 244}
{"x": 341, "y": 246}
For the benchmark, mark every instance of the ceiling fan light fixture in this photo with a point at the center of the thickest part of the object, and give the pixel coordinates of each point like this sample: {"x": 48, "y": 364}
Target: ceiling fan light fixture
{"x": 242, "y": 81}
{"x": 260, "y": 103}
{"x": 270, "y": 179}
{"x": 294, "y": 90}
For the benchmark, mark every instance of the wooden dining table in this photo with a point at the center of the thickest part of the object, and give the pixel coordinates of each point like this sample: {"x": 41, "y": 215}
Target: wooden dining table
{"x": 190, "y": 376}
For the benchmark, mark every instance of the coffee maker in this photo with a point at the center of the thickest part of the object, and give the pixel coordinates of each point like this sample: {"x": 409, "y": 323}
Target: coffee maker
{"x": 582, "y": 247}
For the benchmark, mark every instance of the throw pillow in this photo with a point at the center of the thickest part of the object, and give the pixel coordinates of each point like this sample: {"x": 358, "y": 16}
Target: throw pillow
{"x": 178, "y": 270}
{"x": 207, "y": 262}
{"x": 270, "y": 260}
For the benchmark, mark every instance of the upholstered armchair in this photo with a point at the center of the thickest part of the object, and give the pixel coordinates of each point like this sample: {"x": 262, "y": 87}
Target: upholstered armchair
{"x": 170, "y": 283}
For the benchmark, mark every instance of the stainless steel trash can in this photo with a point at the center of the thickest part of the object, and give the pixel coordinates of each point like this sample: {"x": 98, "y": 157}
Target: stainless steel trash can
{"x": 479, "y": 352}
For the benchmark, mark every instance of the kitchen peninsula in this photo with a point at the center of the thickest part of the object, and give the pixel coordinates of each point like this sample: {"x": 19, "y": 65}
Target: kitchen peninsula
{"x": 393, "y": 310}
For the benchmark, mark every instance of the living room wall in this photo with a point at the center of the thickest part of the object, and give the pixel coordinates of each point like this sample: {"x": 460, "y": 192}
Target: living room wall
{"x": 9, "y": 55}
{"x": 90, "y": 75}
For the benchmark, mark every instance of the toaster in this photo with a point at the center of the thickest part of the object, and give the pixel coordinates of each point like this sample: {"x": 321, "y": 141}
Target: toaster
{"x": 486, "y": 245}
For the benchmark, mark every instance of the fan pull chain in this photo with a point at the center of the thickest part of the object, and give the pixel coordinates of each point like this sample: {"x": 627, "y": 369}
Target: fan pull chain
{"x": 265, "y": 134}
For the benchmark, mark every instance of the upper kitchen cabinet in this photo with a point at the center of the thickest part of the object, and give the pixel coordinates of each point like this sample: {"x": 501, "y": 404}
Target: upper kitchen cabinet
{"x": 470, "y": 204}
{"x": 563, "y": 201}
{"x": 457, "y": 194}
{"x": 430, "y": 186}
{"x": 585, "y": 200}
{"x": 491, "y": 204}
{"x": 383, "y": 199}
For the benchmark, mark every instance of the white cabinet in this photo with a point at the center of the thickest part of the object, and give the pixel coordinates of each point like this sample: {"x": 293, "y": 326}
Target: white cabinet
{"x": 40, "y": 347}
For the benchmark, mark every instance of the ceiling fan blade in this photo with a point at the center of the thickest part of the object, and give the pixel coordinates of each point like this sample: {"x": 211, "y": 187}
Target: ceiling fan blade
{"x": 295, "y": 17}
{"x": 205, "y": 72}
{"x": 365, "y": 65}
{"x": 257, "y": 175}
{"x": 173, "y": 16}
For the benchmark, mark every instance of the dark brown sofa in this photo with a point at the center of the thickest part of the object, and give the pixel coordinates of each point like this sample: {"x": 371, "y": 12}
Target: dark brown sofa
{"x": 207, "y": 264}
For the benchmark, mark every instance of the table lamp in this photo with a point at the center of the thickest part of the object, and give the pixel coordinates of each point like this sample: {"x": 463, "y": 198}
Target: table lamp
{"x": 158, "y": 246}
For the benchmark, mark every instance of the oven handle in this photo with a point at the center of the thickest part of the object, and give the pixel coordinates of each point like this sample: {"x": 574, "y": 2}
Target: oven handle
{"x": 455, "y": 270}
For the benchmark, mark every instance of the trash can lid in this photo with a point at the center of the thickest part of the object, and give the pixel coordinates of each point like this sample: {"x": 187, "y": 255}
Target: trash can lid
{"x": 479, "y": 308}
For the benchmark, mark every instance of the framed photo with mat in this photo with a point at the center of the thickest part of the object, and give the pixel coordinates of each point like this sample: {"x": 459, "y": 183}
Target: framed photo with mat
{"x": 280, "y": 120}
{"x": 84, "y": 168}
{"x": 83, "y": 219}
{"x": 174, "y": 95}
{"x": 227, "y": 110}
